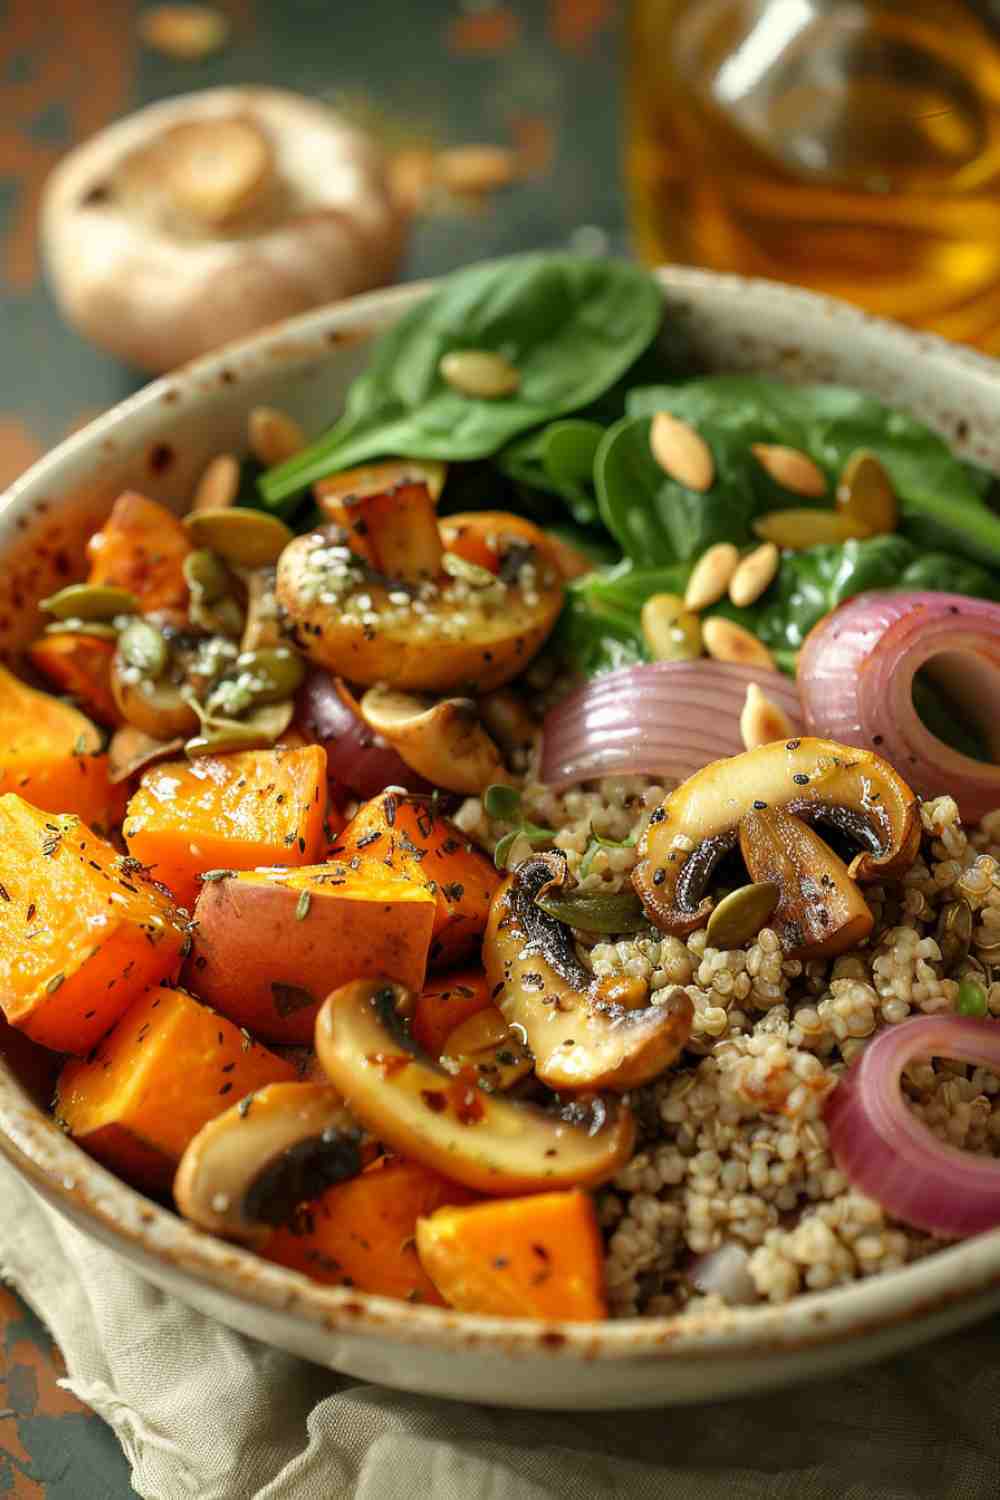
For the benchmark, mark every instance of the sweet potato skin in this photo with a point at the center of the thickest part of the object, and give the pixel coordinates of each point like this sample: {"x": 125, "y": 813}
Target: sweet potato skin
{"x": 444, "y": 1004}
{"x": 538, "y": 1257}
{"x": 50, "y": 755}
{"x": 81, "y": 666}
{"x": 404, "y": 834}
{"x": 270, "y": 945}
{"x": 230, "y": 812}
{"x": 82, "y": 935}
{"x": 141, "y": 547}
{"x": 167, "y": 1068}
{"x": 361, "y": 1232}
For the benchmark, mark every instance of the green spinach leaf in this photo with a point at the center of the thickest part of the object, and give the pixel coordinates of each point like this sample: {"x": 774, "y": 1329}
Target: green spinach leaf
{"x": 572, "y": 325}
{"x": 941, "y": 497}
{"x": 559, "y": 460}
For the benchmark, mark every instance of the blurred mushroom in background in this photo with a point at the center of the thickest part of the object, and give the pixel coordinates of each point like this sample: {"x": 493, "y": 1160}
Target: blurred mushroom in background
{"x": 200, "y": 219}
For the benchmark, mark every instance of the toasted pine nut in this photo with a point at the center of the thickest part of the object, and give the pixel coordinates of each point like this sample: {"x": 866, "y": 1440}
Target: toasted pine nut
{"x": 791, "y": 468}
{"x": 798, "y": 529}
{"x": 671, "y": 632}
{"x": 476, "y": 169}
{"x": 727, "y": 641}
{"x": 763, "y": 721}
{"x": 189, "y": 32}
{"x": 479, "y": 373}
{"x": 754, "y": 574}
{"x": 219, "y": 484}
{"x": 711, "y": 575}
{"x": 865, "y": 493}
{"x": 681, "y": 452}
{"x": 274, "y": 435}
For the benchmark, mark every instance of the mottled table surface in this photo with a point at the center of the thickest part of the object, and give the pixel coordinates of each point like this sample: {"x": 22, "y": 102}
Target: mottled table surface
{"x": 541, "y": 77}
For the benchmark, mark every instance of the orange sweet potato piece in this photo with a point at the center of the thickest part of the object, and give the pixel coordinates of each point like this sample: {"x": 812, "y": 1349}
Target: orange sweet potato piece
{"x": 51, "y": 755}
{"x": 538, "y": 1257}
{"x": 141, "y": 547}
{"x": 405, "y": 834}
{"x": 445, "y": 1004}
{"x": 81, "y": 666}
{"x": 270, "y": 945}
{"x": 232, "y": 812}
{"x": 360, "y": 1233}
{"x": 168, "y": 1067}
{"x": 81, "y": 935}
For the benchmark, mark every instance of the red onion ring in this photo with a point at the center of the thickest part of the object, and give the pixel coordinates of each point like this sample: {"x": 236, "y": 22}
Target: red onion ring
{"x": 886, "y": 1151}
{"x": 356, "y": 758}
{"x": 856, "y": 674}
{"x": 664, "y": 718}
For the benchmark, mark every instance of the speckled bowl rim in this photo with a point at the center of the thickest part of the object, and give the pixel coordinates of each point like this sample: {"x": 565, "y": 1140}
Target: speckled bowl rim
{"x": 118, "y": 1215}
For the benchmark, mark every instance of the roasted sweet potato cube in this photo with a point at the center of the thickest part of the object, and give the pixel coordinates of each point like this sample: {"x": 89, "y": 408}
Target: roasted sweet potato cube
{"x": 445, "y": 1004}
{"x": 231, "y": 812}
{"x": 79, "y": 665}
{"x": 537, "y": 1257}
{"x": 81, "y": 934}
{"x": 270, "y": 945}
{"x": 360, "y": 1232}
{"x": 404, "y": 834}
{"x": 50, "y": 755}
{"x": 168, "y": 1067}
{"x": 141, "y": 547}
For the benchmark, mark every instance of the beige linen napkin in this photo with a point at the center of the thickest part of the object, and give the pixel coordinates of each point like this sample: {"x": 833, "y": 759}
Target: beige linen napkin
{"x": 203, "y": 1412}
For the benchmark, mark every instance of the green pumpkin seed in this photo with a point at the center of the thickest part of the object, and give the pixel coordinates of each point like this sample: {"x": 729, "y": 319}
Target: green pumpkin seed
{"x": 595, "y": 911}
{"x": 97, "y": 628}
{"x": 740, "y": 915}
{"x": 259, "y": 729}
{"x": 246, "y": 538}
{"x": 479, "y": 373}
{"x": 954, "y": 934}
{"x": 208, "y": 575}
{"x": 277, "y": 672}
{"x": 469, "y": 572}
{"x": 90, "y": 601}
{"x": 143, "y": 647}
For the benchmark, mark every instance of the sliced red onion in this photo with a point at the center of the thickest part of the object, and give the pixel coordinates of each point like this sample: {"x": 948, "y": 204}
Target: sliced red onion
{"x": 356, "y": 757}
{"x": 726, "y": 1273}
{"x": 887, "y": 1152}
{"x": 664, "y": 718}
{"x": 856, "y": 674}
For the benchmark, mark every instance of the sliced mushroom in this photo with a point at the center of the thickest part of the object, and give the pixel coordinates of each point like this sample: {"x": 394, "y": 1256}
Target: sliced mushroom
{"x": 131, "y": 750}
{"x": 580, "y": 1038}
{"x": 156, "y": 706}
{"x": 450, "y": 634}
{"x": 490, "y": 1143}
{"x": 820, "y": 910}
{"x": 853, "y": 793}
{"x": 248, "y": 1170}
{"x": 443, "y": 742}
{"x": 202, "y": 218}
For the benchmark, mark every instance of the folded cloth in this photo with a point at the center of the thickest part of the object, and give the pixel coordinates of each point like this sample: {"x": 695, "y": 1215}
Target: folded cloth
{"x": 203, "y": 1412}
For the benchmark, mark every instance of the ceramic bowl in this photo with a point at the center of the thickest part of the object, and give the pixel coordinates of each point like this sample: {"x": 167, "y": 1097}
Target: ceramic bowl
{"x": 158, "y": 441}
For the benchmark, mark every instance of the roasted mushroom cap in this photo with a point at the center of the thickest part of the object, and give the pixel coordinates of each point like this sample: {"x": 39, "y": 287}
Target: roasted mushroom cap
{"x": 444, "y": 1120}
{"x": 847, "y": 793}
{"x": 468, "y": 630}
{"x": 248, "y": 1170}
{"x": 580, "y": 1040}
{"x": 202, "y": 218}
{"x": 444, "y": 742}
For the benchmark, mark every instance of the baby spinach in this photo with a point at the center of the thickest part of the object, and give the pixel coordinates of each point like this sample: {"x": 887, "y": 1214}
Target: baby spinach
{"x": 941, "y": 497}
{"x": 652, "y": 517}
{"x": 599, "y": 628}
{"x": 572, "y": 325}
{"x": 558, "y": 459}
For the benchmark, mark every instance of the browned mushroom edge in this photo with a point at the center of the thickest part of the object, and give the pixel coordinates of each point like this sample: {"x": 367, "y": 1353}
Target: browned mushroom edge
{"x": 580, "y": 1039}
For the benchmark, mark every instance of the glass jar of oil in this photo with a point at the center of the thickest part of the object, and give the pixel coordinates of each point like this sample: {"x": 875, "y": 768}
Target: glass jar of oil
{"x": 852, "y": 146}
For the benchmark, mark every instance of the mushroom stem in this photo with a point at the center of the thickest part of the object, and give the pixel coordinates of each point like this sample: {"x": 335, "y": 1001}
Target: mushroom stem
{"x": 580, "y": 1040}
{"x": 249, "y": 1169}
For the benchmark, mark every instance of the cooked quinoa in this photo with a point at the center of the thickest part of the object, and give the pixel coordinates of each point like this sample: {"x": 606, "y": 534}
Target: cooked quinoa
{"x": 732, "y": 1148}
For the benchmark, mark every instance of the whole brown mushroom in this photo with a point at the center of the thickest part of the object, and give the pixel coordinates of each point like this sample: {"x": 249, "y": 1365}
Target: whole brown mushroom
{"x": 197, "y": 220}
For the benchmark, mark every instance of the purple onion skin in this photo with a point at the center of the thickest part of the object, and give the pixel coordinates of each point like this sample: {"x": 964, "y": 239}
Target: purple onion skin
{"x": 357, "y": 758}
